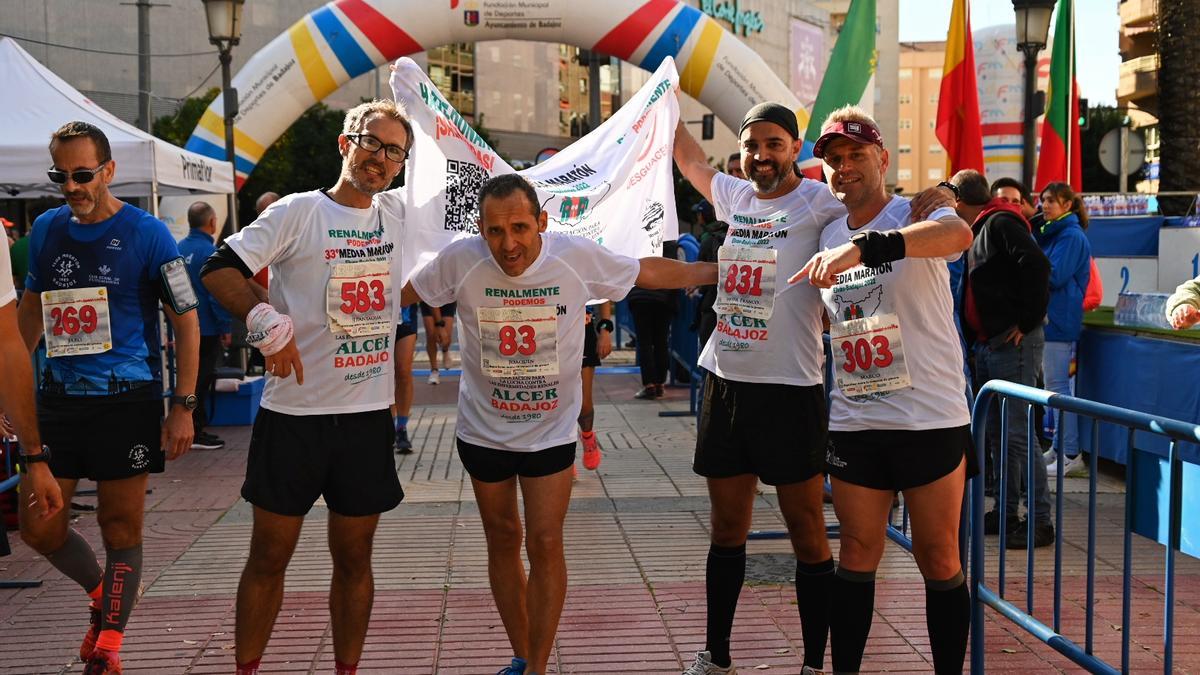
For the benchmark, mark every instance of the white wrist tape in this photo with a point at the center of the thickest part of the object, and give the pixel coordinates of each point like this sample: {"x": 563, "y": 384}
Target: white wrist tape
{"x": 267, "y": 330}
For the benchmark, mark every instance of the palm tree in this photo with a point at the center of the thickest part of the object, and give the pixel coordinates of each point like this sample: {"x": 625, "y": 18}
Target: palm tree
{"x": 1179, "y": 99}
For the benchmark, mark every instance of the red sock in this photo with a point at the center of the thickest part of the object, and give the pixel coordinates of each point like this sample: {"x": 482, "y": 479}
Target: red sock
{"x": 96, "y": 594}
{"x": 250, "y": 668}
{"x": 110, "y": 640}
{"x": 340, "y": 668}
{"x": 588, "y": 434}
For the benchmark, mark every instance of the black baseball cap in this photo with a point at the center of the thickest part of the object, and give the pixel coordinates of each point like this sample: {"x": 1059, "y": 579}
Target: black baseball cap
{"x": 774, "y": 113}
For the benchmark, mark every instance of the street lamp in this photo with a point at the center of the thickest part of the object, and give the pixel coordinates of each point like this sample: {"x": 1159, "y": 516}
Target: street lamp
{"x": 225, "y": 31}
{"x": 1033, "y": 25}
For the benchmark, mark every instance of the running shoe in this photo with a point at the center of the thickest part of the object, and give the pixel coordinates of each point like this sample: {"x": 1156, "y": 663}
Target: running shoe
{"x": 703, "y": 665}
{"x": 433, "y": 377}
{"x": 206, "y": 441}
{"x": 646, "y": 393}
{"x": 1050, "y": 456}
{"x": 1075, "y": 467}
{"x": 103, "y": 662}
{"x": 658, "y": 391}
{"x": 516, "y": 668}
{"x": 591, "y": 450}
{"x": 89, "y": 640}
{"x": 403, "y": 445}
{"x": 809, "y": 670}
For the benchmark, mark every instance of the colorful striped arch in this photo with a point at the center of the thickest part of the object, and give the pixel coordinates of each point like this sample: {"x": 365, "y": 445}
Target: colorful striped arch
{"x": 346, "y": 38}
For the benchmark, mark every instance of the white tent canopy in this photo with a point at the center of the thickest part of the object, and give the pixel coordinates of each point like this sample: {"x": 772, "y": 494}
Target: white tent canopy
{"x": 40, "y": 102}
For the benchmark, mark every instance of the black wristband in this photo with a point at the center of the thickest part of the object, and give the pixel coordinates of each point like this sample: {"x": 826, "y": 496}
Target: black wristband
{"x": 604, "y": 324}
{"x": 877, "y": 248}
{"x": 440, "y": 324}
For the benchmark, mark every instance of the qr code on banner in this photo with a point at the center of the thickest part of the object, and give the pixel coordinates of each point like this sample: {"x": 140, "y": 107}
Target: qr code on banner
{"x": 463, "y": 180}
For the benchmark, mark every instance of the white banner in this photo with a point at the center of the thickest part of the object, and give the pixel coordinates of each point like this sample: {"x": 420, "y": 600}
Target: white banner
{"x": 613, "y": 186}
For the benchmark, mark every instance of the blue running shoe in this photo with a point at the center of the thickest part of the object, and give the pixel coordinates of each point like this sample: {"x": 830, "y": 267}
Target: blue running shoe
{"x": 516, "y": 668}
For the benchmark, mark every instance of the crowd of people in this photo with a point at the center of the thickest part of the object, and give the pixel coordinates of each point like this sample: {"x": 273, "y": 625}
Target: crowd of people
{"x": 788, "y": 260}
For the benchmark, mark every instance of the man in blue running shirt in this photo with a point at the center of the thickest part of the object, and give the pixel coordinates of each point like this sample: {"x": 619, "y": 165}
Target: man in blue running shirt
{"x": 98, "y": 268}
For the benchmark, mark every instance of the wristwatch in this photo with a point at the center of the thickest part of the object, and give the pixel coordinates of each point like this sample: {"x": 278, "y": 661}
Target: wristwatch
{"x": 951, "y": 187}
{"x": 188, "y": 401}
{"x": 604, "y": 324}
{"x": 26, "y": 460}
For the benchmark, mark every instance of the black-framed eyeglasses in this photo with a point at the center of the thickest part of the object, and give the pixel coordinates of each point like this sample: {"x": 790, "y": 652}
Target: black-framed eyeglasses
{"x": 372, "y": 145}
{"x": 80, "y": 176}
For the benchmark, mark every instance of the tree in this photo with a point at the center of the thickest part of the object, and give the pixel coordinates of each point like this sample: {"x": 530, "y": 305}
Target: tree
{"x": 1178, "y": 100}
{"x": 178, "y": 128}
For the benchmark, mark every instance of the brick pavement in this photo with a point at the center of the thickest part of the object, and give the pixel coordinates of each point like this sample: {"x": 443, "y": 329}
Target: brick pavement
{"x": 636, "y": 545}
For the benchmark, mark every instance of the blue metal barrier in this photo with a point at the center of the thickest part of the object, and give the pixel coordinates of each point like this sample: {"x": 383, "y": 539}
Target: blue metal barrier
{"x": 1174, "y": 430}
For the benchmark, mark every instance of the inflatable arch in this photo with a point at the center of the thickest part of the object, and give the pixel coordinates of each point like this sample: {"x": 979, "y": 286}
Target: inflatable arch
{"x": 346, "y": 38}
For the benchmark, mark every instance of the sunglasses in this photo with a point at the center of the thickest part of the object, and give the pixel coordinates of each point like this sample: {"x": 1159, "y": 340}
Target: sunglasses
{"x": 372, "y": 145}
{"x": 80, "y": 176}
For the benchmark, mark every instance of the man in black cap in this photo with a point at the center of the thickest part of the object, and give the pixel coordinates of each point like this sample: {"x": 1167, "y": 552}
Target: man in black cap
{"x": 763, "y": 416}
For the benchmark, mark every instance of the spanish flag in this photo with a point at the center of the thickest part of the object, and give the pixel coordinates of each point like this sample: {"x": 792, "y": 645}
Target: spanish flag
{"x": 958, "y": 124}
{"x": 1059, "y": 158}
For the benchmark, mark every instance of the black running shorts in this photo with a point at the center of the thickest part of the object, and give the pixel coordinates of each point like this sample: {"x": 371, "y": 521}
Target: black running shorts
{"x": 898, "y": 460}
{"x": 488, "y": 465}
{"x": 408, "y": 323}
{"x": 447, "y": 310}
{"x": 774, "y": 431}
{"x": 346, "y": 458}
{"x": 103, "y": 437}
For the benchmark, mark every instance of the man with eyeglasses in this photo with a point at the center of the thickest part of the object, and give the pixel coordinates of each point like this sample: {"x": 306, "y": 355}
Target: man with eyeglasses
{"x": 324, "y": 428}
{"x": 98, "y": 268}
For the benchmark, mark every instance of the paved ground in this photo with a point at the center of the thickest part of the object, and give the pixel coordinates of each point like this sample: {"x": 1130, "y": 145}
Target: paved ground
{"x": 637, "y": 540}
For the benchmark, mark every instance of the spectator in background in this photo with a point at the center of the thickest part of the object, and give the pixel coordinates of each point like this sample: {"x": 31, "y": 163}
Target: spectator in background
{"x": 214, "y": 320}
{"x": 652, "y": 312}
{"x": 1183, "y": 307}
{"x": 733, "y": 166}
{"x": 1007, "y": 293}
{"x": 1014, "y": 192}
{"x": 1066, "y": 247}
{"x": 710, "y": 246}
{"x": 19, "y": 252}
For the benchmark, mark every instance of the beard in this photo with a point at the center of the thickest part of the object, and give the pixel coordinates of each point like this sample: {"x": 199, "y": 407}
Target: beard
{"x": 359, "y": 178}
{"x": 81, "y": 209}
{"x": 765, "y": 183}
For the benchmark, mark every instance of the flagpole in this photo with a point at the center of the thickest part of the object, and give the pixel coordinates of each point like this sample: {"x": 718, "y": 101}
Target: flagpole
{"x": 1072, "y": 110}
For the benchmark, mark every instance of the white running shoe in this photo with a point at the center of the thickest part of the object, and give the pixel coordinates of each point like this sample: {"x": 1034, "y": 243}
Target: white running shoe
{"x": 703, "y": 665}
{"x": 1050, "y": 456}
{"x": 433, "y": 377}
{"x": 1075, "y": 467}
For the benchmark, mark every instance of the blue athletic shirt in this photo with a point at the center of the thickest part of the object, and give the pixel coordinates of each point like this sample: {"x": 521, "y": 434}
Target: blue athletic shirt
{"x": 124, "y": 254}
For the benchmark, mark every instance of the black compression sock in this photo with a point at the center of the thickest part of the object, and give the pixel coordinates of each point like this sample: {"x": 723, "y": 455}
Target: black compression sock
{"x": 814, "y": 584}
{"x": 723, "y": 578}
{"x": 850, "y": 615}
{"x": 948, "y": 619}
{"x": 77, "y": 561}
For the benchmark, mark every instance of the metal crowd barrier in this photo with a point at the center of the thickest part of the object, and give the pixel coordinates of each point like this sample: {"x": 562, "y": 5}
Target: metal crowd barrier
{"x": 983, "y": 595}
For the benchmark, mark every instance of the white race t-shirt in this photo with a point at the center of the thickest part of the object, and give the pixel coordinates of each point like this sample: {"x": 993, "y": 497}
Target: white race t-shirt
{"x": 336, "y": 271}
{"x": 785, "y": 348}
{"x": 521, "y": 345}
{"x": 7, "y": 292}
{"x": 894, "y": 322}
